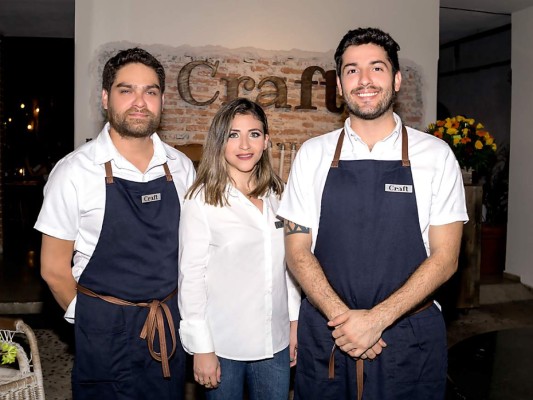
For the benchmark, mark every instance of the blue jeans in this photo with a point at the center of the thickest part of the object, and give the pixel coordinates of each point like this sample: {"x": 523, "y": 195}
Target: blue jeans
{"x": 266, "y": 379}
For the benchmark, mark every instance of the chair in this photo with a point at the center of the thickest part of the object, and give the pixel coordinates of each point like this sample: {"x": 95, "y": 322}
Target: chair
{"x": 193, "y": 151}
{"x": 22, "y": 380}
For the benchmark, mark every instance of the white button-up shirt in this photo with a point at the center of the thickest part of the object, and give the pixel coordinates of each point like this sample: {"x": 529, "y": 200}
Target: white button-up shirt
{"x": 74, "y": 196}
{"x": 439, "y": 190}
{"x": 235, "y": 296}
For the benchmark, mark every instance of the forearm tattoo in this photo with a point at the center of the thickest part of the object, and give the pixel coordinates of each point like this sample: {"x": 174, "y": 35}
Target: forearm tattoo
{"x": 292, "y": 228}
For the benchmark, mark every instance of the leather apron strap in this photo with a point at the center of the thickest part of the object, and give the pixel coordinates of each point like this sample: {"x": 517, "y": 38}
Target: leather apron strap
{"x": 359, "y": 369}
{"x": 158, "y": 312}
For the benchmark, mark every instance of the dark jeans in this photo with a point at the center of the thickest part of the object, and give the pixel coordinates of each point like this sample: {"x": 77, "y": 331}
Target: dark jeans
{"x": 266, "y": 379}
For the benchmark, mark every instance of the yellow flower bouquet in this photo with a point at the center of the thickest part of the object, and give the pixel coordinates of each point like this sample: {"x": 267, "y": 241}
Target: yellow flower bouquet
{"x": 472, "y": 145}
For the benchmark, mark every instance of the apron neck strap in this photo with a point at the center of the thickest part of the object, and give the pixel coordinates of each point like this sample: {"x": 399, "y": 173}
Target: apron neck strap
{"x": 167, "y": 172}
{"x": 405, "y": 149}
{"x": 108, "y": 173}
{"x": 337, "y": 155}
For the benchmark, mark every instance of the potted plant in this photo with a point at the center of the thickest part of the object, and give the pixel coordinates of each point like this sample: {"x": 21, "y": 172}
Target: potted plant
{"x": 472, "y": 144}
{"x": 480, "y": 159}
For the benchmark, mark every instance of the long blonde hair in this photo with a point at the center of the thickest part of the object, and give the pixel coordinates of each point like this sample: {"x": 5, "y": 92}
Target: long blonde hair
{"x": 212, "y": 173}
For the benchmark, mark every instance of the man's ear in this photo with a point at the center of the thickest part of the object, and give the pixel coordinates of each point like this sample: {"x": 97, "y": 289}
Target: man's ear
{"x": 105, "y": 98}
{"x": 339, "y": 86}
{"x": 397, "y": 81}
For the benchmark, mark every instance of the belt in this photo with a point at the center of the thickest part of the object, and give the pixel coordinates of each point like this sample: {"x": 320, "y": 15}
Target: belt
{"x": 154, "y": 324}
{"x": 359, "y": 364}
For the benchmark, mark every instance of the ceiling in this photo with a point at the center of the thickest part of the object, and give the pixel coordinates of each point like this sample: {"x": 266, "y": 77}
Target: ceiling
{"x": 37, "y": 18}
{"x": 463, "y": 18}
{"x": 55, "y": 18}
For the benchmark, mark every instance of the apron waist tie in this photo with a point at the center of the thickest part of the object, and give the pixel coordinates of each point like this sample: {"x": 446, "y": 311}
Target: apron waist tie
{"x": 154, "y": 324}
{"x": 359, "y": 364}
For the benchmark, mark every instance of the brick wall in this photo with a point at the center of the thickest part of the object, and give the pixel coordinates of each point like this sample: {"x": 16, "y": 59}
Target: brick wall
{"x": 273, "y": 78}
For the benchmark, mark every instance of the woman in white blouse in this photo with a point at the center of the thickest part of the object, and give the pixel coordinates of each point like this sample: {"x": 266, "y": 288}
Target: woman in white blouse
{"x": 238, "y": 303}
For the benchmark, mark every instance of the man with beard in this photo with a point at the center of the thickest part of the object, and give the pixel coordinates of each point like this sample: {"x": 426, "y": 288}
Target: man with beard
{"x": 373, "y": 221}
{"x": 112, "y": 208}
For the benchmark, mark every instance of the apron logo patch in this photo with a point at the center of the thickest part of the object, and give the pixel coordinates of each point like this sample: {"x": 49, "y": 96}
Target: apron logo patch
{"x": 148, "y": 198}
{"x": 391, "y": 187}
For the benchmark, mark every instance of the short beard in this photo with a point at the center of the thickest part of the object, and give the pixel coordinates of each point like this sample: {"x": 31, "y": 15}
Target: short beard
{"x": 133, "y": 128}
{"x": 382, "y": 107}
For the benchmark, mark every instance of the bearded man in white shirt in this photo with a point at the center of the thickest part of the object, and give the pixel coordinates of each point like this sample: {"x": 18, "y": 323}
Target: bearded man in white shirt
{"x": 374, "y": 216}
{"x": 112, "y": 207}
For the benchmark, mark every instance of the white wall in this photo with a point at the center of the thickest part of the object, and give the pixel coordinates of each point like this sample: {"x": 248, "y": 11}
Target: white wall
{"x": 520, "y": 225}
{"x": 313, "y": 25}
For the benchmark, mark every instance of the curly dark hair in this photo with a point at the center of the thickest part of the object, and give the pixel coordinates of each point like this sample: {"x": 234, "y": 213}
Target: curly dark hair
{"x": 375, "y": 36}
{"x": 129, "y": 56}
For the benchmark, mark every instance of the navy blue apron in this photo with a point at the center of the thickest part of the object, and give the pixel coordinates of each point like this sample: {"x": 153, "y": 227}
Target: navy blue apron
{"x": 135, "y": 260}
{"x": 368, "y": 244}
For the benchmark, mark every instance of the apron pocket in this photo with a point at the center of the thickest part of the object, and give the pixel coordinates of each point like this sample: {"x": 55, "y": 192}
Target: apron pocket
{"x": 101, "y": 356}
{"x": 101, "y": 342}
{"x": 416, "y": 350}
{"x": 430, "y": 332}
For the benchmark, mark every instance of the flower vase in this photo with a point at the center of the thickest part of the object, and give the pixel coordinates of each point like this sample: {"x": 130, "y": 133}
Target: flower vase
{"x": 467, "y": 176}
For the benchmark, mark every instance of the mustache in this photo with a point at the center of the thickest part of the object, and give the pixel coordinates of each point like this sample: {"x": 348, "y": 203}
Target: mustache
{"x": 144, "y": 111}
{"x": 358, "y": 88}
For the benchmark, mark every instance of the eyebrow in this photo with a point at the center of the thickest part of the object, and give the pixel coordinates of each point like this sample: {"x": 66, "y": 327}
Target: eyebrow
{"x": 354, "y": 64}
{"x": 249, "y": 130}
{"x": 131, "y": 86}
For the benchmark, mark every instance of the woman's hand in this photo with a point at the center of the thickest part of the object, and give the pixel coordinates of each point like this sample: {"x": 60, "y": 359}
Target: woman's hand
{"x": 206, "y": 369}
{"x": 293, "y": 343}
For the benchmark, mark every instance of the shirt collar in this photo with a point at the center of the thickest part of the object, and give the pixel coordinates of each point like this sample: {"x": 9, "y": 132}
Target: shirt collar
{"x": 392, "y": 138}
{"x": 234, "y": 192}
{"x": 106, "y": 151}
